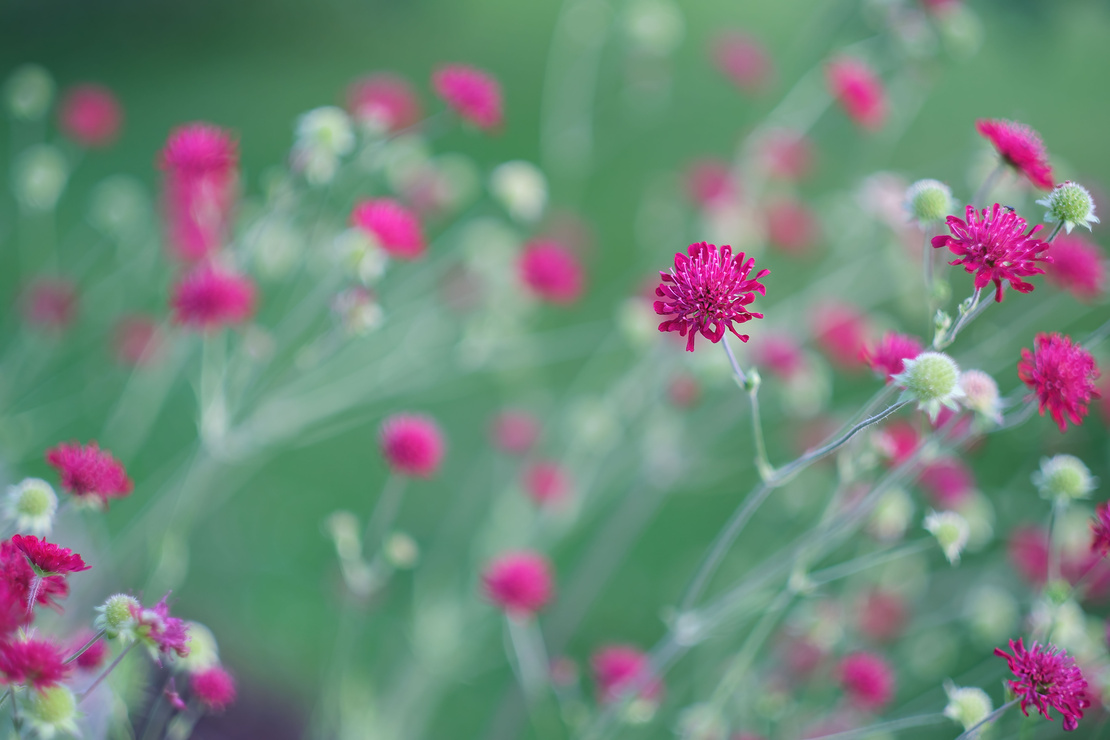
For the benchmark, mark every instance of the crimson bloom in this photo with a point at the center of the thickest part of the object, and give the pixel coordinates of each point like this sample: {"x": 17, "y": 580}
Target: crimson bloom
{"x": 90, "y": 115}
{"x": 708, "y": 291}
{"x": 617, "y": 668}
{"x": 995, "y": 247}
{"x": 214, "y": 688}
{"x": 38, "y": 664}
{"x": 473, "y": 94}
{"x": 22, "y": 585}
{"x": 841, "y": 331}
{"x": 47, "y": 558}
{"x": 383, "y": 100}
{"x": 545, "y": 482}
{"x": 161, "y": 632}
{"x": 199, "y": 162}
{"x": 210, "y": 298}
{"x": 791, "y": 226}
{"x": 551, "y": 271}
{"x": 859, "y": 90}
{"x": 888, "y": 356}
{"x": 94, "y": 654}
{"x": 515, "y": 431}
{"x": 395, "y": 228}
{"x": 1078, "y": 266}
{"x": 1047, "y": 678}
{"x": 520, "y": 583}
{"x": 709, "y": 183}
{"x": 89, "y": 472}
{"x": 867, "y": 679}
{"x": 1020, "y": 147}
{"x": 1062, "y": 375}
{"x": 1100, "y": 528}
{"x": 743, "y": 60}
{"x": 412, "y": 444}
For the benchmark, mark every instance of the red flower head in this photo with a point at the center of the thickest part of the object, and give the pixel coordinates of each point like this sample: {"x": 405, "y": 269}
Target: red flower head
{"x": 887, "y": 357}
{"x": 47, "y": 558}
{"x": 708, "y": 290}
{"x": 791, "y": 226}
{"x": 551, "y": 272}
{"x": 384, "y": 101}
{"x": 395, "y": 228}
{"x": 13, "y": 605}
{"x": 882, "y": 615}
{"x": 473, "y": 94}
{"x": 89, "y": 472}
{"x": 38, "y": 664}
{"x": 210, "y": 298}
{"x": 743, "y": 60}
{"x": 841, "y": 332}
{"x": 709, "y": 183}
{"x": 785, "y": 154}
{"x": 1020, "y": 147}
{"x": 779, "y": 353}
{"x": 1047, "y": 678}
{"x": 546, "y": 483}
{"x": 1027, "y": 550}
{"x": 50, "y": 303}
{"x": 995, "y": 248}
{"x": 137, "y": 341}
{"x": 515, "y": 431}
{"x": 520, "y": 583}
{"x": 20, "y": 580}
{"x": 617, "y": 668}
{"x": 948, "y": 482}
{"x": 1078, "y": 266}
{"x": 94, "y": 655}
{"x": 859, "y": 90}
{"x": 90, "y": 115}
{"x": 867, "y": 680}
{"x": 214, "y": 688}
{"x": 897, "y": 441}
{"x": 1062, "y": 376}
{"x": 412, "y": 444}
{"x": 161, "y": 632}
{"x": 1100, "y": 528}
{"x": 200, "y": 163}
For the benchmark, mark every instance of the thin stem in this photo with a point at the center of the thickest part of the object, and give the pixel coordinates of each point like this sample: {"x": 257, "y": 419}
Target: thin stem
{"x": 973, "y": 312}
{"x": 731, "y": 682}
{"x": 988, "y": 184}
{"x": 1097, "y": 336}
{"x": 921, "y": 720}
{"x": 973, "y": 731}
{"x": 104, "y": 675}
{"x": 531, "y": 658}
{"x": 1055, "y": 231}
{"x": 81, "y": 650}
{"x": 762, "y": 462}
{"x": 4, "y": 698}
{"x": 857, "y": 565}
{"x": 384, "y": 514}
{"x": 741, "y": 378}
{"x": 928, "y": 270}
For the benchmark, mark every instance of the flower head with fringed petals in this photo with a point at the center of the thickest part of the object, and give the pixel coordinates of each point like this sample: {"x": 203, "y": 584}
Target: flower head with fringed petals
{"x": 1047, "y": 678}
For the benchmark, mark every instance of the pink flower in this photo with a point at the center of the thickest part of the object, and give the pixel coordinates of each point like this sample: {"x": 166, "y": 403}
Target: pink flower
{"x": 939, "y": 7}
{"x": 87, "y": 471}
{"x": 551, "y": 271}
{"x": 515, "y": 431}
{"x": 384, "y": 100}
{"x": 1100, "y": 528}
{"x": 995, "y": 248}
{"x": 137, "y": 341}
{"x": 897, "y": 441}
{"x": 412, "y": 445}
{"x": 473, "y": 94}
{"x": 13, "y": 600}
{"x": 1046, "y": 677}
{"x": 210, "y": 298}
{"x": 50, "y": 303}
{"x": 859, "y": 90}
{"x": 791, "y": 226}
{"x": 90, "y": 115}
{"x": 743, "y": 60}
{"x": 546, "y": 483}
{"x": 1020, "y": 147}
{"x": 882, "y": 615}
{"x": 1078, "y": 266}
{"x": 683, "y": 391}
{"x": 520, "y": 583}
{"x": 887, "y": 357}
{"x": 779, "y": 353}
{"x": 37, "y": 664}
{"x": 708, "y": 291}
{"x": 619, "y": 668}
{"x": 159, "y": 630}
{"x": 94, "y": 655}
{"x": 841, "y": 332}
{"x": 395, "y": 228}
{"x": 200, "y": 164}
{"x": 785, "y": 154}
{"x": 1062, "y": 376}
{"x": 21, "y": 582}
{"x": 867, "y": 680}
{"x": 948, "y": 482}
{"x": 1027, "y": 551}
{"x": 802, "y": 656}
{"x": 709, "y": 183}
{"x": 47, "y": 558}
{"x": 214, "y": 688}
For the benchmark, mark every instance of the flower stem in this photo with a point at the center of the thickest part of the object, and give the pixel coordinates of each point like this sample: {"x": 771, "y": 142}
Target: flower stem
{"x": 384, "y": 514}
{"x": 988, "y": 184}
{"x": 104, "y": 675}
{"x": 1055, "y": 231}
{"x": 973, "y": 731}
{"x": 739, "y": 666}
{"x": 81, "y": 650}
{"x": 531, "y": 657}
{"x": 974, "y": 310}
{"x": 905, "y": 723}
{"x": 750, "y": 383}
{"x": 741, "y": 378}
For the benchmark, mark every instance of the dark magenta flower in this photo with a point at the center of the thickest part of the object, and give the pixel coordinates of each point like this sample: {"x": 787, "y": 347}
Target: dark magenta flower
{"x": 395, "y": 228}
{"x": 617, "y": 668}
{"x": 1047, "y": 678}
{"x": 412, "y": 444}
{"x": 384, "y": 101}
{"x": 89, "y": 472}
{"x": 859, "y": 90}
{"x": 888, "y": 356}
{"x": 1100, "y": 528}
{"x": 47, "y": 558}
{"x": 1062, "y": 375}
{"x": 867, "y": 679}
{"x": 161, "y": 632}
{"x": 473, "y": 94}
{"x": 200, "y": 165}
{"x": 1078, "y": 266}
{"x": 37, "y": 664}
{"x": 1020, "y": 147}
{"x": 210, "y": 298}
{"x": 214, "y": 688}
{"x": 551, "y": 272}
{"x": 520, "y": 583}
{"x": 90, "y": 115}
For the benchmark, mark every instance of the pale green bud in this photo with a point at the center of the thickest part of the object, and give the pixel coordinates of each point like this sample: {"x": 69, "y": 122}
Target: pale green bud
{"x": 29, "y": 92}
{"x": 933, "y": 380}
{"x": 116, "y": 617}
{"x": 203, "y": 651}
{"x": 981, "y": 394}
{"x": 1064, "y": 478}
{"x": 967, "y": 705}
{"x": 39, "y": 176}
{"x": 929, "y": 201}
{"x": 31, "y": 505}
{"x": 521, "y": 188}
{"x": 51, "y": 711}
{"x": 1071, "y": 204}
{"x": 951, "y": 531}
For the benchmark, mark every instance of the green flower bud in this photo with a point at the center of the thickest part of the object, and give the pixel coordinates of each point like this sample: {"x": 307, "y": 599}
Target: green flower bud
{"x": 951, "y": 531}
{"x": 51, "y": 711}
{"x": 204, "y": 653}
{"x": 933, "y": 380}
{"x": 1069, "y": 203}
{"x": 39, "y": 176}
{"x": 29, "y": 92}
{"x": 31, "y": 505}
{"x": 929, "y": 201}
{"x": 116, "y": 617}
{"x": 967, "y": 705}
{"x": 1063, "y": 478}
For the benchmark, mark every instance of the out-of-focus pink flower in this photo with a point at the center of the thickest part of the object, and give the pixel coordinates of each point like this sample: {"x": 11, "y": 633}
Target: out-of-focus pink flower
{"x": 551, "y": 272}
{"x": 841, "y": 332}
{"x": 684, "y": 391}
{"x": 89, "y": 472}
{"x": 940, "y": 7}
{"x": 136, "y": 341}
{"x": 412, "y": 444}
{"x": 882, "y": 615}
{"x": 710, "y": 184}
{"x": 90, "y": 115}
{"x": 515, "y": 431}
{"x": 546, "y": 483}
{"x": 785, "y": 154}
{"x": 1020, "y": 147}
{"x": 50, "y": 303}
{"x": 859, "y": 91}
{"x": 1078, "y": 266}
{"x": 1045, "y": 678}
{"x": 617, "y": 668}
{"x": 888, "y": 356}
{"x": 778, "y": 353}
{"x": 94, "y": 655}
{"x": 868, "y": 681}
{"x": 473, "y": 94}
{"x": 37, "y": 664}
{"x": 743, "y": 60}
{"x": 802, "y": 656}
{"x": 210, "y": 298}
{"x": 1100, "y": 528}
{"x": 1062, "y": 376}
{"x": 394, "y": 227}
{"x": 200, "y": 163}
{"x": 214, "y": 688}
{"x": 947, "y": 482}
{"x": 791, "y": 225}
{"x": 384, "y": 101}
{"x": 520, "y": 583}
{"x": 897, "y": 441}
{"x": 1027, "y": 550}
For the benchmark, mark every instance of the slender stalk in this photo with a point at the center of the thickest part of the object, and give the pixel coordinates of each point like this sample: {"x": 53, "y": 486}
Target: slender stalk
{"x": 735, "y": 675}
{"x": 81, "y": 650}
{"x": 974, "y": 311}
{"x": 384, "y": 514}
{"x": 851, "y": 567}
{"x": 741, "y": 378}
{"x": 988, "y": 185}
{"x": 927, "y": 269}
{"x": 6, "y": 696}
{"x": 1097, "y": 336}
{"x": 750, "y": 383}
{"x": 531, "y": 658}
{"x": 973, "y": 731}
{"x": 921, "y": 720}
{"x": 104, "y": 674}
{"x": 1055, "y": 231}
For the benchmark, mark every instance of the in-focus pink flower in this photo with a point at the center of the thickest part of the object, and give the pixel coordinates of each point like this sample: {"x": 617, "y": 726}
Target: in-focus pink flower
{"x": 868, "y": 681}
{"x": 841, "y": 332}
{"x": 791, "y": 225}
{"x": 47, "y": 558}
{"x": 858, "y": 90}
{"x": 210, "y": 298}
{"x": 94, "y": 655}
{"x": 50, "y": 303}
{"x": 1100, "y": 528}
{"x": 546, "y": 483}
{"x": 1078, "y": 266}
{"x": 948, "y": 482}
{"x": 709, "y": 183}
{"x": 887, "y": 357}
{"x": 412, "y": 444}
{"x": 785, "y": 154}
{"x": 473, "y": 94}
{"x": 1027, "y": 551}
{"x": 1047, "y": 678}
{"x": 515, "y": 431}
{"x": 90, "y": 115}
{"x": 137, "y": 341}
{"x": 743, "y": 60}
{"x": 37, "y": 664}
{"x": 1062, "y": 375}
{"x": 520, "y": 583}
{"x": 214, "y": 688}
{"x": 21, "y": 584}
{"x": 708, "y": 290}
{"x": 89, "y": 472}
{"x": 160, "y": 631}
{"x": 619, "y": 668}
{"x": 395, "y": 228}
{"x": 385, "y": 101}
{"x": 199, "y": 162}
{"x": 995, "y": 248}
{"x": 882, "y": 615}
{"x": 551, "y": 272}
{"x": 780, "y": 354}
{"x": 1020, "y": 147}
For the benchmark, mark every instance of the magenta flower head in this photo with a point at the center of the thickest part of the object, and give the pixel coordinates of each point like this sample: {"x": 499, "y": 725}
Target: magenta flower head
{"x": 708, "y": 291}
{"x": 888, "y": 356}
{"x": 89, "y": 472}
{"x": 551, "y": 272}
{"x": 948, "y": 482}
{"x": 858, "y": 90}
{"x": 161, "y": 633}
{"x": 546, "y": 483}
{"x": 137, "y": 341}
{"x": 618, "y": 668}
{"x": 395, "y": 228}
{"x": 94, "y": 655}
{"x": 210, "y": 298}
{"x": 473, "y": 94}
{"x": 743, "y": 60}
{"x": 520, "y": 583}
{"x": 214, "y": 688}
{"x": 383, "y": 101}
{"x": 1048, "y": 679}
{"x": 199, "y": 162}
{"x": 1078, "y": 266}
{"x": 1100, "y": 529}
{"x": 841, "y": 331}
{"x": 791, "y": 225}
{"x": 50, "y": 303}
{"x": 995, "y": 247}
{"x": 514, "y": 431}
{"x": 48, "y": 559}
{"x": 868, "y": 681}
{"x": 412, "y": 444}
{"x": 90, "y": 115}
{"x": 25, "y": 586}
{"x": 1020, "y": 147}
{"x": 37, "y": 664}
{"x": 1062, "y": 375}
{"x": 709, "y": 183}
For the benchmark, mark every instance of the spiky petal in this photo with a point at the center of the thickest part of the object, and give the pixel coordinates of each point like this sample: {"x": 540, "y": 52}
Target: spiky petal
{"x": 1020, "y": 147}
{"x": 1062, "y": 375}
{"x": 1047, "y": 679}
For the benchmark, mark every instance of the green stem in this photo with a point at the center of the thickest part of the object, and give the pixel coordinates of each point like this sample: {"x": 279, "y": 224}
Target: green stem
{"x": 973, "y": 731}
{"x": 731, "y": 682}
{"x": 988, "y": 185}
{"x": 81, "y": 650}
{"x": 384, "y": 514}
{"x": 104, "y": 675}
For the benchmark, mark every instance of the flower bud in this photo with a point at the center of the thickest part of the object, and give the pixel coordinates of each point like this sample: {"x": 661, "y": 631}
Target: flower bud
{"x": 51, "y": 711}
{"x": 324, "y": 135}
{"x": 521, "y": 188}
{"x": 39, "y": 176}
{"x": 967, "y": 705}
{"x": 1071, "y": 204}
{"x": 981, "y": 394}
{"x": 891, "y": 516}
{"x": 31, "y": 505}
{"x": 933, "y": 380}
{"x": 929, "y": 201}
{"x": 401, "y": 551}
{"x": 117, "y": 616}
{"x": 1063, "y": 478}
{"x": 951, "y": 531}
{"x": 29, "y": 92}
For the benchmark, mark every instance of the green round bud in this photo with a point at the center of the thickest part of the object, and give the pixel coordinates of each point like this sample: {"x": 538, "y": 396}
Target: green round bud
{"x": 932, "y": 379}
{"x": 1069, "y": 203}
{"x": 31, "y": 505}
{"x": 967, "y": 705}
{"x": 930, "y": 201}
{"x": 29, "y": 92}
{"x": 951, "y": 531}
{"x": 116, "y": 616}
{"x": 1064, "y": 477}
{"x": 51, "y": 711}
{"x": 39, "y": 176}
